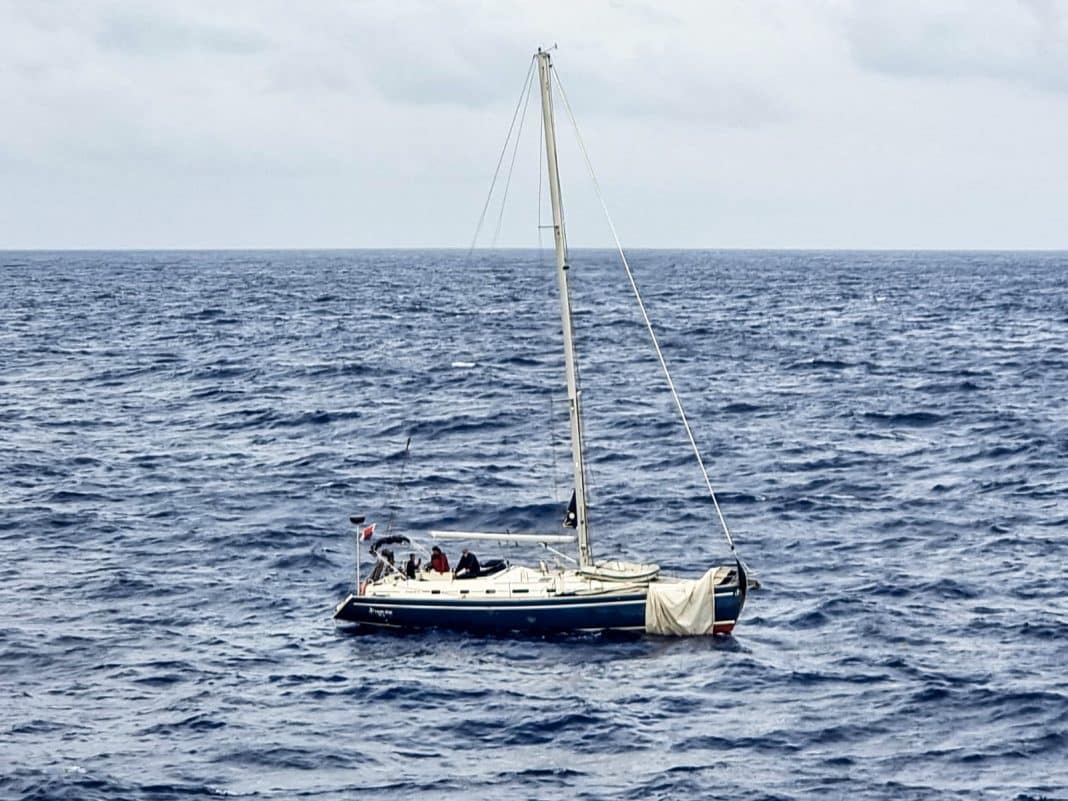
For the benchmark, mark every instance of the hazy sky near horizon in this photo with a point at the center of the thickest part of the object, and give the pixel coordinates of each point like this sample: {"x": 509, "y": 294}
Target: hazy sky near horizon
{"x": 726, "y": 123}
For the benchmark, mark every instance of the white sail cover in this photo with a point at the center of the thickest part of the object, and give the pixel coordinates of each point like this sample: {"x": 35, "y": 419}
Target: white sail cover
{"x": 682, "y": 608}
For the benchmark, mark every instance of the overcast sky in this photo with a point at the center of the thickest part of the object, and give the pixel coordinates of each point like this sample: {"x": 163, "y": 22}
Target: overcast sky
{"x": 723, "y": 123}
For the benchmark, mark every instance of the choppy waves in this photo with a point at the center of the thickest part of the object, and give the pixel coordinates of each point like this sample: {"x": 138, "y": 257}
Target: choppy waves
{"x": 182, "y": 437}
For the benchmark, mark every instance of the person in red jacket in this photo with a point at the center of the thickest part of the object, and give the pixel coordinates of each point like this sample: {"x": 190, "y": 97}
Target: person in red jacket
{"x": 439, "y": 562}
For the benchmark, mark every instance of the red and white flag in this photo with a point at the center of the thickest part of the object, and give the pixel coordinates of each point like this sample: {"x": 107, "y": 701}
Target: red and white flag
{"x": 365, "y": 533}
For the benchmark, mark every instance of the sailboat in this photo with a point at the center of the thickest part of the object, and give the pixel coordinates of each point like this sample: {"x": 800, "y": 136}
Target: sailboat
{"x": 570, "y": 594}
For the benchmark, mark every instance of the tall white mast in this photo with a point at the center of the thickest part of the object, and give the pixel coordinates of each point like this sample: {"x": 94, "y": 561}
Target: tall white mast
{"x": 545, "y": 74}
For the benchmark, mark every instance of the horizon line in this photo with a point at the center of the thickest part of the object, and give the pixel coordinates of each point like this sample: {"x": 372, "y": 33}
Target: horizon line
{"x": 460, "y": 249}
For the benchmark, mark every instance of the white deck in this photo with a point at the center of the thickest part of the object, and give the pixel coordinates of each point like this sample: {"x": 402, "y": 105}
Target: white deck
{"x": 516, "y": 582}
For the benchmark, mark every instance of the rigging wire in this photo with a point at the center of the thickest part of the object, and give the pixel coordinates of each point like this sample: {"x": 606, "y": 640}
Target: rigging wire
{"x": 398, "y": 486}
{"x": 500, "y": 160}
{"x": 515, "y": 152}
{"x": 645, "y": 314}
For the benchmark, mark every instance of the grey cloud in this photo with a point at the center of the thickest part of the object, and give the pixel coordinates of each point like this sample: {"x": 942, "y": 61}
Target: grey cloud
{"x": 1020, "y": 41}
{"x": 692, "y": 96}
{"x": 292, "y": 76}
{"x": 477, "y": 80}
{"x": 408, "y": 57}
{"x": 455, "y": 81}
{"x": 138, "y": 32}
{"x": 419, "y": 67}
{"x": 748, "y": 122}
{"x": 139, "y": 28}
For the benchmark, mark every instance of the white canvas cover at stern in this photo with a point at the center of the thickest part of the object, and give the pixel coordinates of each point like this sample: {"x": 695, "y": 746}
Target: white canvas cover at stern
{"x": 682, "y": 608}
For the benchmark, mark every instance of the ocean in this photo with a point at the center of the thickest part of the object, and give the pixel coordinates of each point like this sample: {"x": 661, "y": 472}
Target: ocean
{"x": 183, "y": 436}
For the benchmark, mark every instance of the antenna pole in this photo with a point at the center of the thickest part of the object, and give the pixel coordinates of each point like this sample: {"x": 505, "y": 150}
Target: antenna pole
{"x": 356, "y": 523}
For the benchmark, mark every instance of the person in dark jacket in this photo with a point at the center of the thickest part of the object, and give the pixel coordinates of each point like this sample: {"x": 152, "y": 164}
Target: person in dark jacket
{"x": 468, "y": 566}
{"x": 439, "y": 562}
{"x": 411, "y": 569}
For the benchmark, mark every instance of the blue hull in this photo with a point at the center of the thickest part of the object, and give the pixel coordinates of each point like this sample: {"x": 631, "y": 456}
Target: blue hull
{"x": 535, "y": 616}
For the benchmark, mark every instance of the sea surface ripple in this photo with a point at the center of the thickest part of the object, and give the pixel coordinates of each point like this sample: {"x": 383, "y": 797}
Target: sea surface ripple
{"x": 183, "y": 435}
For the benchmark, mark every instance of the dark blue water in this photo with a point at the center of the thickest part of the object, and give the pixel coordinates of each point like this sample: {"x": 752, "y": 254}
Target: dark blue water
{"x": 182, "y": 436}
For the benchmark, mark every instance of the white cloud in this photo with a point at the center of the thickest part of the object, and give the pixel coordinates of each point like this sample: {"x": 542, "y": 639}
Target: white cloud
{"x": 728, "y": 123}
